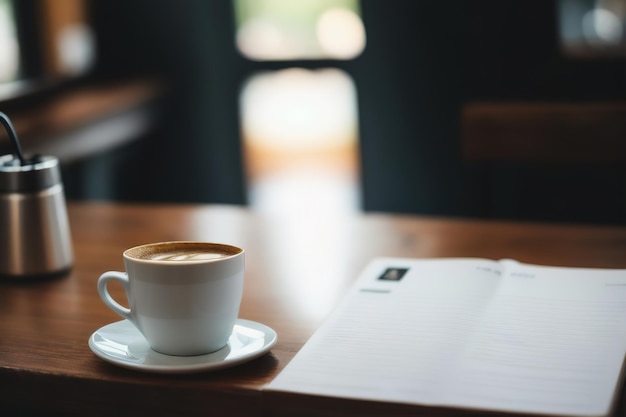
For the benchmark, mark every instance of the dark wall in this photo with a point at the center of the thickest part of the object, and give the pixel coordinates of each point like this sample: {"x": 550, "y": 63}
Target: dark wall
{"x": 411, "y": 85}
{"x": 424, "y": 60}
{"x": 194, "y": 154}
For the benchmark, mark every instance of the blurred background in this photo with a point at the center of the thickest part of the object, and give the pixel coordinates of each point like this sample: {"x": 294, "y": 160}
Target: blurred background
{"x": 498, "y": 109}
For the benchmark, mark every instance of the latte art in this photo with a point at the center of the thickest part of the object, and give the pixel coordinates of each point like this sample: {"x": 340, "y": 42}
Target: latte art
{"x": 183, "y": 256}
{"x": 182, "y": 252}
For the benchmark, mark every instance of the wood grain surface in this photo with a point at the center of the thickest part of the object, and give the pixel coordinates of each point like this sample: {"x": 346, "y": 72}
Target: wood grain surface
{"x": 297, "y": 269}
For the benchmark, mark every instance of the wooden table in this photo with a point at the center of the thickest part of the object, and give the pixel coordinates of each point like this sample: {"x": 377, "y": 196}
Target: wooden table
{"x": 297, "y": 270}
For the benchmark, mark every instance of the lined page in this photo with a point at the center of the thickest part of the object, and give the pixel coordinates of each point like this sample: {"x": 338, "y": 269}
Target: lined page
{"x": 473, "y": 334}
{"x": 553, "y": 341}
{"x": 395, "y": 340}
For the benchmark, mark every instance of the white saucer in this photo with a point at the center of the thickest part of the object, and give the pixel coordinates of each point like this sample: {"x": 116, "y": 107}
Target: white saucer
{"x": 121, "y": 343}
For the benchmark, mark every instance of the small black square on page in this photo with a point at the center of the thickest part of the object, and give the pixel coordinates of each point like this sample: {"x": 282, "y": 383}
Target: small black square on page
{"x": 393, "y": 274}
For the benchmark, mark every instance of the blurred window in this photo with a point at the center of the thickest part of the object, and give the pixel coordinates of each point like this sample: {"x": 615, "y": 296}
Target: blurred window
{"x": 9, "y": 47}
{"x": 300, "y": 124}
{"x": 300, "y": 140}
{"x": 301, "y": 29}
{"x": 593, "y": 28}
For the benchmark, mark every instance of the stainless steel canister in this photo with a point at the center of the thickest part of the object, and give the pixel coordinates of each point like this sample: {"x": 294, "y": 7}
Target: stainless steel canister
{"x": 35, "y": 237}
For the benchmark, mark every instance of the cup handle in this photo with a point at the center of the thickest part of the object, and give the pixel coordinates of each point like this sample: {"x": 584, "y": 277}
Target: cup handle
{"x": 122, "y": 278}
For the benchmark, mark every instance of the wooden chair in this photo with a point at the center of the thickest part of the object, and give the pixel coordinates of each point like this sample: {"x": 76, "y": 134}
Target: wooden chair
{"x": 549, "y": 161}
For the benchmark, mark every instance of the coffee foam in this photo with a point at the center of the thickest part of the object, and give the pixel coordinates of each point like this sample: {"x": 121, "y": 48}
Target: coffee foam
{"x": 182, "y": 251}
{"x": 184, "y": 256}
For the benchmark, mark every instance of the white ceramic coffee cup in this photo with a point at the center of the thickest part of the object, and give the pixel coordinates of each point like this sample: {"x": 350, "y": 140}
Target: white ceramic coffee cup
{"x": 182, "y": 304}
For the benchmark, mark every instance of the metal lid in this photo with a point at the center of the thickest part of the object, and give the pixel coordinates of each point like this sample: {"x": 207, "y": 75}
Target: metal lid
{"x": 39, "y": 173}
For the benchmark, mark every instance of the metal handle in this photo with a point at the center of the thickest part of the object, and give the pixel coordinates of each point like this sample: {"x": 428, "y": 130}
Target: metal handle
{"x": 13, "y": 136}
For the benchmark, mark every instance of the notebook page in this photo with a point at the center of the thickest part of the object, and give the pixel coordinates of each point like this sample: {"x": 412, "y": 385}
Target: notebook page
{"x": 395, "y": 339}
{"x": 553, "y": 341}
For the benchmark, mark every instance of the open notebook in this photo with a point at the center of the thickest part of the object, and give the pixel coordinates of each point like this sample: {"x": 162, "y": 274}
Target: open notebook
{"x": 471, "y": 333}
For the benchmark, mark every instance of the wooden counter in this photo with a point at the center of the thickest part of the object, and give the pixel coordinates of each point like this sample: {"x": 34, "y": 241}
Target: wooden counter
{"x": 297, "y": 271}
